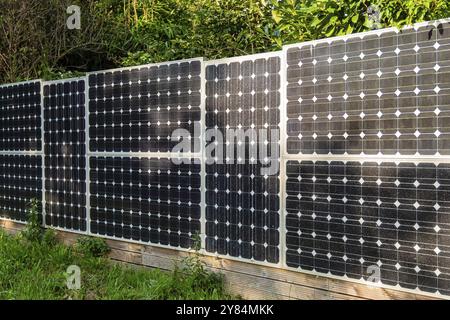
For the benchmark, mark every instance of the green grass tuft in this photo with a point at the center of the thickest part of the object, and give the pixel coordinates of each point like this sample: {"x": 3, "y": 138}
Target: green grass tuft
{"x": 37, "y": 270}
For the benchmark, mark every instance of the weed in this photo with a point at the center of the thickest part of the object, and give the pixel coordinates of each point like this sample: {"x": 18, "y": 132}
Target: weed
{"x": 191, "y": 275}
{"x": 49, "y": 237}
{"x": 33, "y": 230}
{"x": 92, "y": 247}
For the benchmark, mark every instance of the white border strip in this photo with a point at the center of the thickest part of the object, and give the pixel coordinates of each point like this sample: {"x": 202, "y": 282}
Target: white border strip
{"x": 87, "y": 157}
{"x": 42, "y": 155}
{"x": 283, "y": 151}
{"x": 21, "y": 153}
{"x": 164, "y": 154}
{"x": 369, "y": 158}
{"x": 255, "y": 56}
{"x": 203, "y": 156}
{"x": 361, "y": 35}
{"x": 58, "y": 81}
{"x": 156, "y": 64}
{"x": 20, "y": 83}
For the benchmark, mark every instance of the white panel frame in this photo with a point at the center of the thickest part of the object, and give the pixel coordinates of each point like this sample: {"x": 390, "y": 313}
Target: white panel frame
{"x": 203, "y": 157}
{"x": 88, "y": 158}
{"x": 361, "y": 35}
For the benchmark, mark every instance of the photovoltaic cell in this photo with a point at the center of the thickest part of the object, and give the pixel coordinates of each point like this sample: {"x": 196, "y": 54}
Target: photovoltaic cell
{"x": 20, "y": 182}
{"x": 137, "y": 109}
{"x": 383, "y": 94}
{"x": 20, "y": 117}
{"x": 343, "y": 217}
{"x": 150, "y": 200}
{"x": 242, "y": 204}
{"x": 65, "y": 154}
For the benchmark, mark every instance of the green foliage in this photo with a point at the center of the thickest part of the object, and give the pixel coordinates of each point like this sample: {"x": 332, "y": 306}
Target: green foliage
{"x": 34, "y": 39}
{"x": 34, "y": 270}
{"x": 117, "y": 33}
{"x": 92, "y": 247}
{"x": 49, "y": 238}
{"x": 33, "y": 230}
{"x": 154, "y": 31}
{"x": 57, "y": 74}
{"x": 313, "y": 19}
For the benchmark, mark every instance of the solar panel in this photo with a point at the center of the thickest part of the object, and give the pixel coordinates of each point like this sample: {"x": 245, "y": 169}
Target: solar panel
{"x": 65, "y": 154}
{"x": 20, "y": 182}
{"x": 383, "y": 94}
{"x": 242, "y": 204}
{"x": 137, "y": 109}
{"x": 20, "y": 118}
{"x": 148, "y": 200}
{"x": 343, "y": 217}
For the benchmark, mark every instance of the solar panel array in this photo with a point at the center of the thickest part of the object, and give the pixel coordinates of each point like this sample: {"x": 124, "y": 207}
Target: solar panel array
{"x": 65, "y": 154}
{"x": 242, "y": 204}
{"x": 381, "y": 95}
{"x": 364, "y": 156}
{"x": 135, "y": 111}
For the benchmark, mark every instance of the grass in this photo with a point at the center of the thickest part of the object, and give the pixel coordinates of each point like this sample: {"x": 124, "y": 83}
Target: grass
{"x": 36, "y": 269}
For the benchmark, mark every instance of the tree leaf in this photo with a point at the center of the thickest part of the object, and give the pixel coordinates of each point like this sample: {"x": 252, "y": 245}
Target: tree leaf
{"x": 276, "y": 16}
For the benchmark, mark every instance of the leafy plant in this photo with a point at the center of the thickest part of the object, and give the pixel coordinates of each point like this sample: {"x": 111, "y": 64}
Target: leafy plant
{"x": 308, "y": 20}
{"x": 33, "y": 230}
{"x": 49, "y": 238}
{"x": 193, "y": 273}
{"x": 92, "y": 247}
